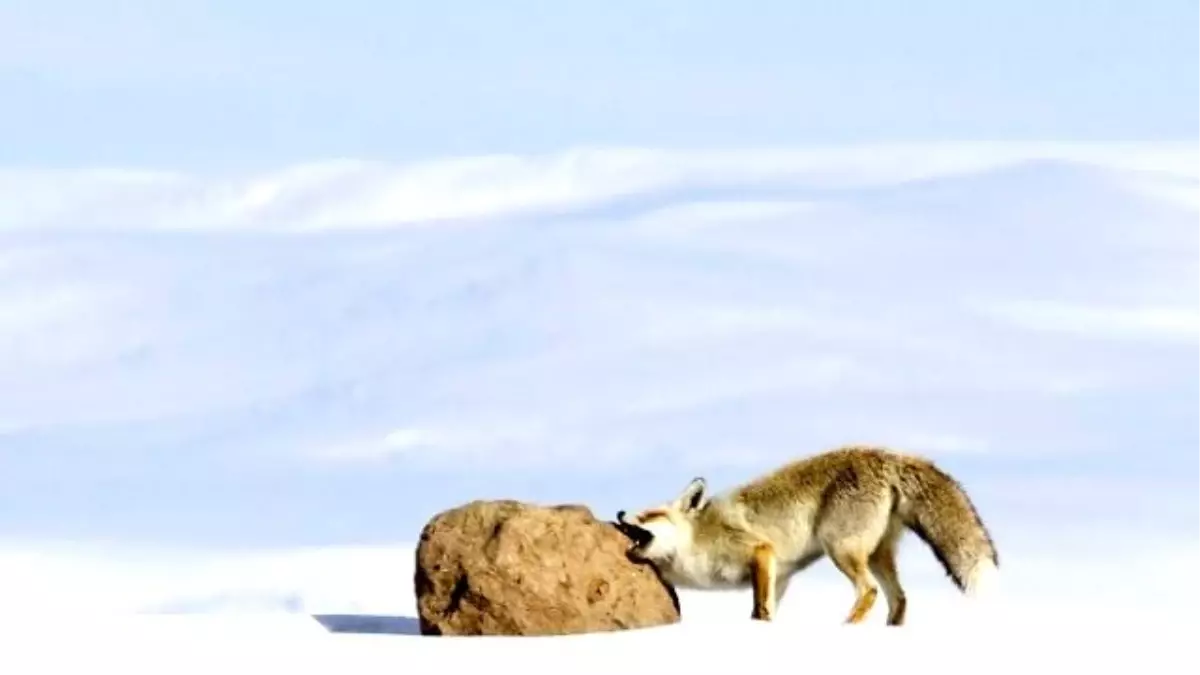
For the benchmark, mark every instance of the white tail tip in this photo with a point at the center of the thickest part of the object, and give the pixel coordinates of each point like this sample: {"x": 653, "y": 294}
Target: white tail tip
{"x": 983, "y": 579}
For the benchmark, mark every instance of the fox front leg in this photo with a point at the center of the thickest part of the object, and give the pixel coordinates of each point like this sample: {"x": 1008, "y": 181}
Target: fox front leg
{"x": 764, "y": 578}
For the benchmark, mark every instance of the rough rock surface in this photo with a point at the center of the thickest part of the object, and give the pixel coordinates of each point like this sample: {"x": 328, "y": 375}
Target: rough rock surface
{"x": 505, "y": 567}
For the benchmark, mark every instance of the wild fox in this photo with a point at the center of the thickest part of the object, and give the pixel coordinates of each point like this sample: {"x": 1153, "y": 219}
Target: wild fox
{"x": 851, "y": 503}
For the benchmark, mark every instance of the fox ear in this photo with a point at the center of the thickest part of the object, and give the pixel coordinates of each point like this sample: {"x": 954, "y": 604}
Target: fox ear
{"x": 692, "y": 496}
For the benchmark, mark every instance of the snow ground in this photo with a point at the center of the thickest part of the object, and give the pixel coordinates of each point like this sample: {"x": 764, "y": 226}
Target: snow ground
{"x": 351, "y": 610}
{"x": 1027, "y": 314}
{"x": 296, "y": 645}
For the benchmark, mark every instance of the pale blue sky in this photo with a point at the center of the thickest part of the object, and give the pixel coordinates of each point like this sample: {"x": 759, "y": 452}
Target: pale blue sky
{"x": 229, "y": 83}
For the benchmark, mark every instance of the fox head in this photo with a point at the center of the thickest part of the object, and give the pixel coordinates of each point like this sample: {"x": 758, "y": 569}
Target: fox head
{"x": 660, "y": 532}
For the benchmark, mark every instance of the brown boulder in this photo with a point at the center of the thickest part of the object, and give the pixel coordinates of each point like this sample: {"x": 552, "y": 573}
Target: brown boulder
{"x": 512, "y": 568}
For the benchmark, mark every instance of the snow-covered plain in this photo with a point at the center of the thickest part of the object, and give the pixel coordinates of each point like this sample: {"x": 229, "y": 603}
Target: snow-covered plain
{"x": 351, "y": 609}
{"x": 220, "y": 393}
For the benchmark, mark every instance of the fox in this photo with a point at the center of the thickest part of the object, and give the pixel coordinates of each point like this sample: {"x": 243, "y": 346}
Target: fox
{"x": 852, "y": 503}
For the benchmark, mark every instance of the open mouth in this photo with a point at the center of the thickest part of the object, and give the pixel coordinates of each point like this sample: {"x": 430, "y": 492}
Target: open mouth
{"x": 640, "y": 536}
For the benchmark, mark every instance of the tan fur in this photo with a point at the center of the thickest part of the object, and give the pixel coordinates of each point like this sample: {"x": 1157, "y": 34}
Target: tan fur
{"x": 763, "y": 573}
{"x": 851, "y": 504}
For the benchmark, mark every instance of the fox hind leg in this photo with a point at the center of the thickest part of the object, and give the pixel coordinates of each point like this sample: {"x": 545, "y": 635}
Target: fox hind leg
{"x": 851, "y": 528}
{"x": 883, "y": 565}
{"x": 853, "y": 563}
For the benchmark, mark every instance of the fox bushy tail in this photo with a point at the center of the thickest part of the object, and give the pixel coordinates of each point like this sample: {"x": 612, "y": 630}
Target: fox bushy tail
{"x": 937, "y": 509}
